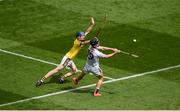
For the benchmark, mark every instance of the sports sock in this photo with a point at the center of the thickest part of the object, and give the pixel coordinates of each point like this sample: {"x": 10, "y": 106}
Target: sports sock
{"x": 96, "y": 90}
{"x": 42, "y": 80}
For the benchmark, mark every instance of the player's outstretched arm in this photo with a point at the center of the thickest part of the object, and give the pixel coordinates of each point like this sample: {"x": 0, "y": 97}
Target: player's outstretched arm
{"x": 88, "y": 30}
{"x": 115, "y": 51}
{"x": 85, "y": 42}
{"x": 105, "y": 48}
{"x": 112, "y": 54}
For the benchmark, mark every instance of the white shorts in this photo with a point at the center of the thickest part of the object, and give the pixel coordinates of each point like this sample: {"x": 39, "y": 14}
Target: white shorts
{"x": 66, "y": 62}
{"x": 96, "y": 70}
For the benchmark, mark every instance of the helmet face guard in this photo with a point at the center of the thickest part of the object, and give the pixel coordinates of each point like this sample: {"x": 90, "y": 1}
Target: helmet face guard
{"x": 94, "y": 42}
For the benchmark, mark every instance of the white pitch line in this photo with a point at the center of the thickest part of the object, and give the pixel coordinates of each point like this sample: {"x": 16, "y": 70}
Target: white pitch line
{"x": 142, "y": 74}
{"x": 87, "y": 86}
{"x": 28, "y": 57}
{"x": 36, "y": 59}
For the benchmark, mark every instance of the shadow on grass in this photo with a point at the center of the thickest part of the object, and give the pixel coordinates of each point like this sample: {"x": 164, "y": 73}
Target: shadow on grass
{"x": 91, "y": 90}
{"x": 54, "y": 79}
{"x": 88, "y": 90}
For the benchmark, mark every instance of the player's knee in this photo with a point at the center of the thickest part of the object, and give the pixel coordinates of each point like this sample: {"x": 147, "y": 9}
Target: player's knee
{"x": 100, "y": 76}
{"x": 60, "y": 67}
{"x": 74, "y": 70}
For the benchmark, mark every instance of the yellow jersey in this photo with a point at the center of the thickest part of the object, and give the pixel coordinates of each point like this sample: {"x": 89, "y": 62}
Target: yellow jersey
{"x": 75, "y": 49}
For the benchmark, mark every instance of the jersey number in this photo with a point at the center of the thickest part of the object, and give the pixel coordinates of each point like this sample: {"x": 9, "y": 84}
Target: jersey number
{"x": 90, "y": 55}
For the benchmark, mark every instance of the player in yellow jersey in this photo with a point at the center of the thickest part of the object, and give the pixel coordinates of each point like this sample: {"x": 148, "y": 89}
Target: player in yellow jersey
{"x": 67, "y": 60}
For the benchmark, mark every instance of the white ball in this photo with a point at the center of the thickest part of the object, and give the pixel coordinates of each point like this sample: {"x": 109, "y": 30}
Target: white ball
{"x": 134, "y": 40}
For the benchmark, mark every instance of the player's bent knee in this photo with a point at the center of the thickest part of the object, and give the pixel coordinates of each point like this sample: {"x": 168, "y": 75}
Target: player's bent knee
{"x": 74, "y": 70}
{"x": 60, "y": 67}
{"x": 100, "y": 76}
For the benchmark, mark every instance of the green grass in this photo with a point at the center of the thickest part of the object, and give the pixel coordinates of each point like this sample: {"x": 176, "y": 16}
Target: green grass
{"x": 45, "y": 29}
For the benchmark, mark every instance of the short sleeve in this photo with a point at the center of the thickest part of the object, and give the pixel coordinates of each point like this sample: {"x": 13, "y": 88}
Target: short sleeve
{"x": 100, "y": 54}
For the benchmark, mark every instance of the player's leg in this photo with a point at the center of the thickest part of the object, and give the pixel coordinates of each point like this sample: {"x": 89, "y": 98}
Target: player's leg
{"x": 63, "y": 63}
{"x": 98, "y": 72}
{"x": 50, "y": 73}
{"x": 98, "y": 85}
{"x": 53, "y": 71}
{"x": 74, "y": 70}
{"x": 78, "y": 78}
{"x": 85, "y": 70}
